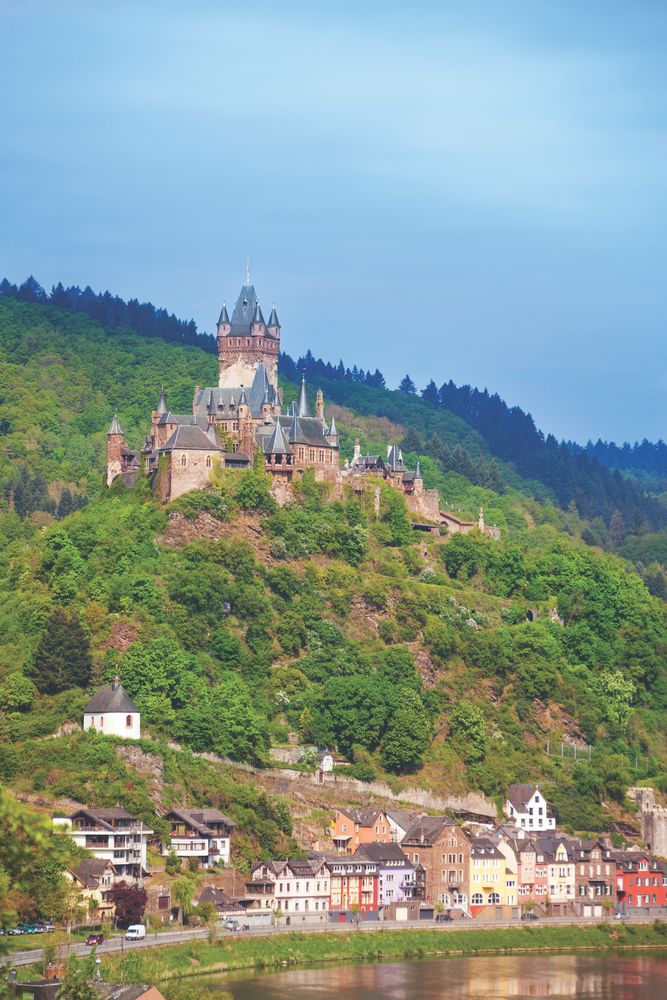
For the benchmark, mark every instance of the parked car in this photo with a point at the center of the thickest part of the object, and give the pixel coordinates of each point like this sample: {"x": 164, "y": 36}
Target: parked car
{"x": 15, "y": 930}
{"x": 444, "y": 918}
{"x": 95, "y": 939}
{"x": 529, "y": 916}
{"x": 47, "y": 926}
{"x": 26, "y": 928}
{"x": 231, "y": 925}
{"x": 620, "y": 916}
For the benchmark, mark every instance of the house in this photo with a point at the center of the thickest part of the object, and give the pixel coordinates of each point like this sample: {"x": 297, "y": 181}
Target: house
{"x": 325, "y": 761}
{"x": 521, "y": 855}
{"x": 226, "y": 906}
{"x": 595, "y": 877}
{"x": 354, "y": 882}
{"x": 559, "y": 862}
{"x": 400, "y": 823}
{"x": 113, "y": 712}
{"x": 442, "y": 848}
{"x": 93, "y": 877}
{"x": 352, "y": 827}
{"x": 487, "y": 878}
{"x": 300, "y": 888}
{"x": 396, "y": 873}
{"x": 641, "y": 881}
{"x": 527, "y": 808}
{"x": 200, "y": 833}
{"x": 112, "y": 835}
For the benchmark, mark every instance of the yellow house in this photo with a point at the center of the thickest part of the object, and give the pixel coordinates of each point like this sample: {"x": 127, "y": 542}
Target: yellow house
{"x": 488, "y": 876}
{"x": 94, "y": 877}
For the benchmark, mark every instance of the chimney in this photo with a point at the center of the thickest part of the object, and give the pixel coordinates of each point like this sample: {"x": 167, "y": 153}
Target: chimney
{"x": 115, "y": 683}
{"x": 421, "y": 836}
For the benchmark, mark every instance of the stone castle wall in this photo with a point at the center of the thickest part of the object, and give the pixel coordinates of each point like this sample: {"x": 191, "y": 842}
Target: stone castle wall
{"x": 653, "y": 820}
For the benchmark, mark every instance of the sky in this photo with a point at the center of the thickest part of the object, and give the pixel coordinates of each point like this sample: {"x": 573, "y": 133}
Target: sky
{"x": 471, "y": 191}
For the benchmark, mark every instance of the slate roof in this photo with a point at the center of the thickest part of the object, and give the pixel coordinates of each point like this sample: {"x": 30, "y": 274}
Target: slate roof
{"x": 520, "y": 796}
{"x": 91, "y": 870}
{"x": 427, "y": 830}
{"x": 224, "y": 315}
{"x": 190, "y": 437}
{"x": 257, "y": 317}
{"x": 333, "y": 430}
{"x": 273, "y": 318}
{"x": 200, "y": 818}
{"x": 303, "y": 402}
{"x": 483, "y": 846}
{"x": 115, "y": 426}
{"x": 181, "y": 418}
{"x": 404, "y": 819}
{"x": 224, "y": 398}
{"x": 219, "y": 898}
{"x": 277, "y": 443}
{"x": 162, "y": 402}
{"x": 383, "y": 852}
{"x": 362, "y": 817}
{"x": 549, "y": 846}
{"x": 107, "y": 700}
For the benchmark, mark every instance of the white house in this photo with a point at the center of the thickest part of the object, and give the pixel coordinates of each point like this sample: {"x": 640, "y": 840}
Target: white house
{"x": 300, "y": 888}
{"x": 113, "y": 835}
{"x": 113, "y": 712}
{"x": 528, "y": 809}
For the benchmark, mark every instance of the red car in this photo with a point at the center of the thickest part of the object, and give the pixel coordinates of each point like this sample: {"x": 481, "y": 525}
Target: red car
{"x": 95, "y": 939}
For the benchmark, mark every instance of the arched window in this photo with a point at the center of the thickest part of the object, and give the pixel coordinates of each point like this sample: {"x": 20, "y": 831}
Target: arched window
{"x": 184, "y": 460}
{"x": 477, "y": 899}
{"x": 128, "y": 722}
{"x": 92, "y": 722}
{"x": 208, "y": 462}
{"x": 494, "y": 899}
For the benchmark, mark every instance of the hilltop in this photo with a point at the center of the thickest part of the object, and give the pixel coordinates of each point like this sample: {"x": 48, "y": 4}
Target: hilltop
{"x": 449, "y": 664}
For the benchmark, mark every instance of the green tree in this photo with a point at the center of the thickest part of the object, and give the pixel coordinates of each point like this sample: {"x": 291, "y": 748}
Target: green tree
{"x": 63, "y": 658}
{"x": 408, "y": 734}
{"x": 616, "y": 529}
{"x": 17, "y": 693}
{"x": 615, "y": 693}
{"x": 407, "y": 385}
{"x": 468, "y": 732}
{"x": 412, "y": 442}
{"x": 183, "y": 891}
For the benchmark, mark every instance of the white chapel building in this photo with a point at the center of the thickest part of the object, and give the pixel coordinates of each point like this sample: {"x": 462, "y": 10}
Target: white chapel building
{"x": 528, "y": 809}
{"x": 113, "y": 712}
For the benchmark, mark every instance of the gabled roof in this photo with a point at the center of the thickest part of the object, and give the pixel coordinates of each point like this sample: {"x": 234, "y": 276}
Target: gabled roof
{"x": 219, "y": 898}
{"x": 382, "y": 852}
{"x": 90, "y": 870}
{"x": 181, "y": 418}
{"x": 190, "y": 438}
{"x": 483, "y": 846}
{"x": 109, "y": 700}
{"x": 520, "y": 796}
{"x": 200, "y": 818}
{"x": 363, "y": 817}
{"x": 115, "y": 426}
{"x": 428, "y": 830}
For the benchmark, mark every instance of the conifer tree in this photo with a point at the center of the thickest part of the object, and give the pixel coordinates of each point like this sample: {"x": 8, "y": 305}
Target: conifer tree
{"x": 407, "y": 385}
{"x": 495, "y": 480}
{"x": 433, "y": 448}
{"x": 616, "y": 528}
{"x": 63, "y": 657}
{"x": 412, "y": 442}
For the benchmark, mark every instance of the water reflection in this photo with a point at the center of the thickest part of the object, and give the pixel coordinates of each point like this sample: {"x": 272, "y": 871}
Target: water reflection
{"x": 608, "y": 977}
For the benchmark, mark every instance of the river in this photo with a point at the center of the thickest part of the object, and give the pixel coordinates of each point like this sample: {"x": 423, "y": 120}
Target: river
{"x": 608, "y": 976}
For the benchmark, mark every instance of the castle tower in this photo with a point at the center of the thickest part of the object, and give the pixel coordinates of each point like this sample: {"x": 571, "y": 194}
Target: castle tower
{"x": 319, "y": 406}
{"x": 245, "y": 341}
{"x": 114, "y": 444}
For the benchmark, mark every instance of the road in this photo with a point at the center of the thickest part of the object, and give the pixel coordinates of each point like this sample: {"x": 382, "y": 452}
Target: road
{"x": 117, "y": 943}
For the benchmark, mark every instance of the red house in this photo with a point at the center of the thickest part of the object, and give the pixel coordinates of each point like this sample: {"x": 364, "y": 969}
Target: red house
{"x": 641, "y": 880}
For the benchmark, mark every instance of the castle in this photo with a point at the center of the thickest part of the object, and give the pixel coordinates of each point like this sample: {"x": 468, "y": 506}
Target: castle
{"x": 243, "y": 413}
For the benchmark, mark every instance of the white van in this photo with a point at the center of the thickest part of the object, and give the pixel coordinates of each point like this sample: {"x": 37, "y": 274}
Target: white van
{"x": 135, "y": 932}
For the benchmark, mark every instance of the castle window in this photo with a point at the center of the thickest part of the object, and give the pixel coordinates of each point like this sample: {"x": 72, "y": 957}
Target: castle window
{"x": 301, "y": 454}
{"x": 260, "y": 343}
{"x": 128, "y": 722}
{"x": 247, "y": 343}
{"x": 224, "y": 427}
{"x": 208, "y": 462}
{"x": 321, "y": 457}
{"x": 311, "y": 455}
{"x": 235, "y": 426}
{"x": 184, "y": 460}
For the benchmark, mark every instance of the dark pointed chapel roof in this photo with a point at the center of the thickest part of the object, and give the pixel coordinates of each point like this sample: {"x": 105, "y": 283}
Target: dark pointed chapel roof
{"x": 297, "y": 430}
{"x": 273, "y": 318}
{"x": 257, "y": 317}
{"x": 111, "y": 698}
{"x": 277, "y": 444}
{"x": 162, "y": 402}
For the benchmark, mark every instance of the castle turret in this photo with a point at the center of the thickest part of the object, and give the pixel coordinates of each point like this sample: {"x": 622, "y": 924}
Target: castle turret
{"x": 224, "y": 326}
{"x": 332, "y": 434}
{"x": 267, "y": 404}
{"x": 319, "y": 406}
{"x": 273, "y": 326}
{"x": 114, "y": 444}
{"x": 303, "y": 403}
{"x": 244, "y": 342}
{"x": 257, "y": 327}
{"x": 162, "y": 403}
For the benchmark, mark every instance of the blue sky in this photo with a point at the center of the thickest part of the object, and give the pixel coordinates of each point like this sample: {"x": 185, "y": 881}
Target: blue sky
{"x": 470, "y": 191}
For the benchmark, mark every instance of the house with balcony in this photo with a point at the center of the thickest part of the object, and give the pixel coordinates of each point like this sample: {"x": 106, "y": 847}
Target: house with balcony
{"x": 354, "y": 882}
{"x": 300, "y": 888}
{"x": 559, "y": 862}
{"x": 200, "y": 833}
{"x": 111, "y": 835}
{"x": 396, "y": 873}
{"x": 93, "y": 878}
{"x": 527, "y": 808}
{"x": 352, "y": 827}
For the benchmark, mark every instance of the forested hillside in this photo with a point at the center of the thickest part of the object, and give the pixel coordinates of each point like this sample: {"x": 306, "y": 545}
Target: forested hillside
{"x": 452, "y": 663}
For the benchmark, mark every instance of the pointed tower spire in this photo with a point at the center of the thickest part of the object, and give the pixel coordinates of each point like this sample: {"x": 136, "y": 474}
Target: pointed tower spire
{"x": 418, "y": 473}
{"x": 162, "y": 402}
{"x": 224, "y": 315}
{"x": 115, "y": 426}
{"x": 247, "y": 280}
{"x": 303, "y": 403}
{"x": 273, "y": 319}
{"x": 258, "y": 318}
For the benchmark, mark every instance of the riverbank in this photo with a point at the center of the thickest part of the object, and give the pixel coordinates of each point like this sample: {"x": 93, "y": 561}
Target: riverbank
{"x": 199, "y": 957}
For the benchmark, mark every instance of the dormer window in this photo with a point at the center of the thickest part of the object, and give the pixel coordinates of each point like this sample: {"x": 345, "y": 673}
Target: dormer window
{"x": 245, "y": 303}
